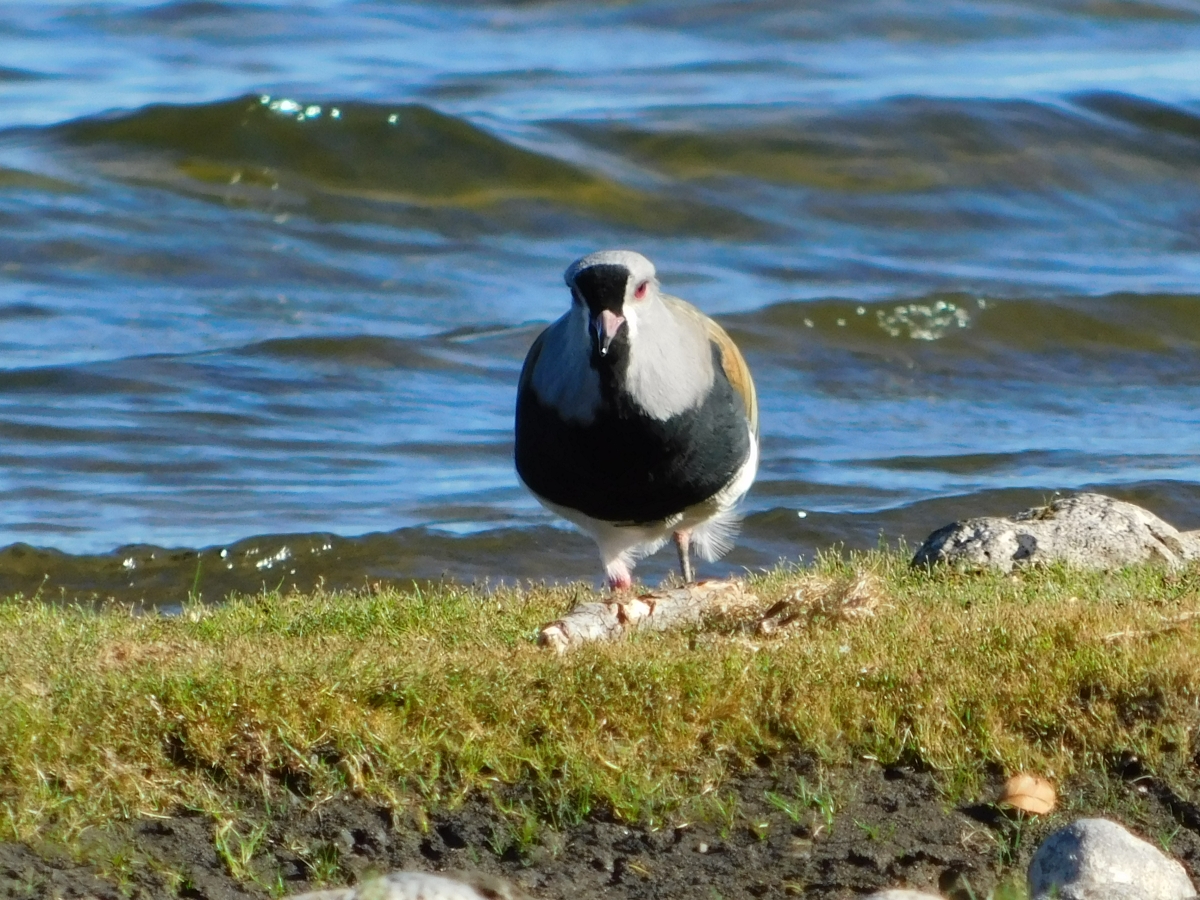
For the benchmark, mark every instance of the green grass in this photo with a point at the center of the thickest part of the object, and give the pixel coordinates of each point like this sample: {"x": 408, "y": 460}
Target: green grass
{"x": 420, "y": 698}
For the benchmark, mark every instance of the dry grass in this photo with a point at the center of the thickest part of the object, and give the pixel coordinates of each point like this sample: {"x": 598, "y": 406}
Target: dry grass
{"x": 419, "y": 698}
{"x": 858, "y": 595}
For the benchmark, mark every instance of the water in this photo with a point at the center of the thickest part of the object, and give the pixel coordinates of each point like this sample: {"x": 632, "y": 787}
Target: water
{"x": 268, "y": 270}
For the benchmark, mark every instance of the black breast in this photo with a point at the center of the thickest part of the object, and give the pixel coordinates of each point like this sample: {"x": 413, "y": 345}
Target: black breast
{"x": 626, "y": 466}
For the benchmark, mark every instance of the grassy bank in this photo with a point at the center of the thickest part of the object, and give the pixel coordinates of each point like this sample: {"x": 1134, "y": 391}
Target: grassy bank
{"x": 421, "y": 698}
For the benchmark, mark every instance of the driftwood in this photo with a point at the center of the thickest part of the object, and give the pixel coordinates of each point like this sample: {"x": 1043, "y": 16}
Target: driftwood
{"x": 731, "y": 607}
{"x": 728, "y": 603}
{"x": 663, "y": 610}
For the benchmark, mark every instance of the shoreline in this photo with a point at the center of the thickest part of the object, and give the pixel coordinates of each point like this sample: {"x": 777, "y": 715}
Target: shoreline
{"x": 163, "y": 577}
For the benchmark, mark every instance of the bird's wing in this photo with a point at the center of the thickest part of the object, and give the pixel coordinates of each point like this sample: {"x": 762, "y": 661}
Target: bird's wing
{"x": 732, "y": 361}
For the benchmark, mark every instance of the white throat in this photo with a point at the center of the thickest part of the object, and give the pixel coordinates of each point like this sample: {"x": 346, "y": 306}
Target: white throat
{"x": 670, "y": 360}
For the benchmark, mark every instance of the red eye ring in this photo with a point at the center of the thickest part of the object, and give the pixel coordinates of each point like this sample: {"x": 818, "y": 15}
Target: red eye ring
{"x": 639, "y": 292}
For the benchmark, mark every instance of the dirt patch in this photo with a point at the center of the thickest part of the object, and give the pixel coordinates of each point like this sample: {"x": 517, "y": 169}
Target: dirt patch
{"x": 776, "y": 832}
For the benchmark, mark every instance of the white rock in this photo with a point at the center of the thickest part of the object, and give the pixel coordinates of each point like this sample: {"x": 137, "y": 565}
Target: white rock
{"x": 901, "y": 894}
{"x": 1095, "y": 859}
{"x": 1089, "y": 531}
{"x": 422, "y": 886}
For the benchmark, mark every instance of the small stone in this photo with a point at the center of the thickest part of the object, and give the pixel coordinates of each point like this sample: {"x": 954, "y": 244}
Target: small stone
{"x": 702, "y": 848}
{"x": 1089, "y": 531}
{"x": 423, "y": 886}
{"x": 1095, "y": 859}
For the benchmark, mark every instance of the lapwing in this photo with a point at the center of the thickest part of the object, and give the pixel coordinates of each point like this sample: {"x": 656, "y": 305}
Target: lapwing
{"x": 637, "y": 418}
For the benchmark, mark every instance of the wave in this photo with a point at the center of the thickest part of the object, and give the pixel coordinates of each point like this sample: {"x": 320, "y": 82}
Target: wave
{"x": 73, "y": 380}
{"x": 257, "y": 149}
{"x": 19, "y": 179}
{"x": 456, "y": 349}
{"x": 1127, "y": 337}
{"x": 14, "y": 311}
{"x": 368, "y": 351}
{"x": 8, "y": 74}
{"x": 1161, "y": 118}
{"x": 178, "y": 11}
{"x": 970, "y": 326}
{"x": 470, "y": 352}
{"x": 959, "y": 324}
{"x": 914, "y": 144}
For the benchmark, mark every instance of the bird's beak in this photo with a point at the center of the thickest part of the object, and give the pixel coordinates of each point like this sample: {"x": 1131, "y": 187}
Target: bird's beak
{"x": 604, "y": 328}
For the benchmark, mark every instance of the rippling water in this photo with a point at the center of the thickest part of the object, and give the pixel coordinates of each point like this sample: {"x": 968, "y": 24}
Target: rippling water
{"x": 268, "y": 270}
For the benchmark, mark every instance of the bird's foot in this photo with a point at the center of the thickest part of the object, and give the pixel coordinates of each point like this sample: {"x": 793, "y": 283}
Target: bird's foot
{"x": 619, "y": 576}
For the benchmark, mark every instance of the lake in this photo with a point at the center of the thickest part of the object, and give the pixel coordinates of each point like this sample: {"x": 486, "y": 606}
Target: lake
{"x": 268, "y": 270}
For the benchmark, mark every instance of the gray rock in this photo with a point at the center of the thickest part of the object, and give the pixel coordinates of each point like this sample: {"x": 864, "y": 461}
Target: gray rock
{"x": 422, "y": 886}
{"x": 1095, "y": 859}
{"x": 1089, "y": 531}
{"x": 901, "y": 894}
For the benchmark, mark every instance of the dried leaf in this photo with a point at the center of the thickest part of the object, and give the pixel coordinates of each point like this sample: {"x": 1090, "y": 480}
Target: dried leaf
{"x": 1029, "y": 793}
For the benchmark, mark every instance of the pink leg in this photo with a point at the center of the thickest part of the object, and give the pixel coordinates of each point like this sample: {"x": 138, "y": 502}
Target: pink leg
{"x": 683, "y": 541}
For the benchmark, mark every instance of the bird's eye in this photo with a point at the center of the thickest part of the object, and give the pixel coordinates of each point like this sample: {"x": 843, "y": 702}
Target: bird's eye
{"x": 639, "y": 292}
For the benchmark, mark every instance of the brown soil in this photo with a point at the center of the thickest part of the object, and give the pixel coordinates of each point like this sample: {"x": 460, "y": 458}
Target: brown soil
{"x": 891, "y": 828}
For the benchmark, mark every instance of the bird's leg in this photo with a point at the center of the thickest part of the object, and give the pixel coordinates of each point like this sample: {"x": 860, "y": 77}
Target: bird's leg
{"x": 618, "y": 575}
{"x": 682, "y": 541}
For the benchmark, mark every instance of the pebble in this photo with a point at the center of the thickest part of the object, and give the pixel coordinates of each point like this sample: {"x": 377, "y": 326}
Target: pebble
{"x": 422, "y": 886}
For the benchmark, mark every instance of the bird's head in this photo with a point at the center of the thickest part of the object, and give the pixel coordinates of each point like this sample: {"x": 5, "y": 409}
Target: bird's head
{"x": 616, "y": 287}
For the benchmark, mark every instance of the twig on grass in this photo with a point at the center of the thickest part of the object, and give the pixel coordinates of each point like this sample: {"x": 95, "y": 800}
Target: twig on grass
{"x": 717, "y": 603}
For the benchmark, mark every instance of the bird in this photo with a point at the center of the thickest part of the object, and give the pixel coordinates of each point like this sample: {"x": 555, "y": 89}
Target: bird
{"x": 637, "y": 418}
